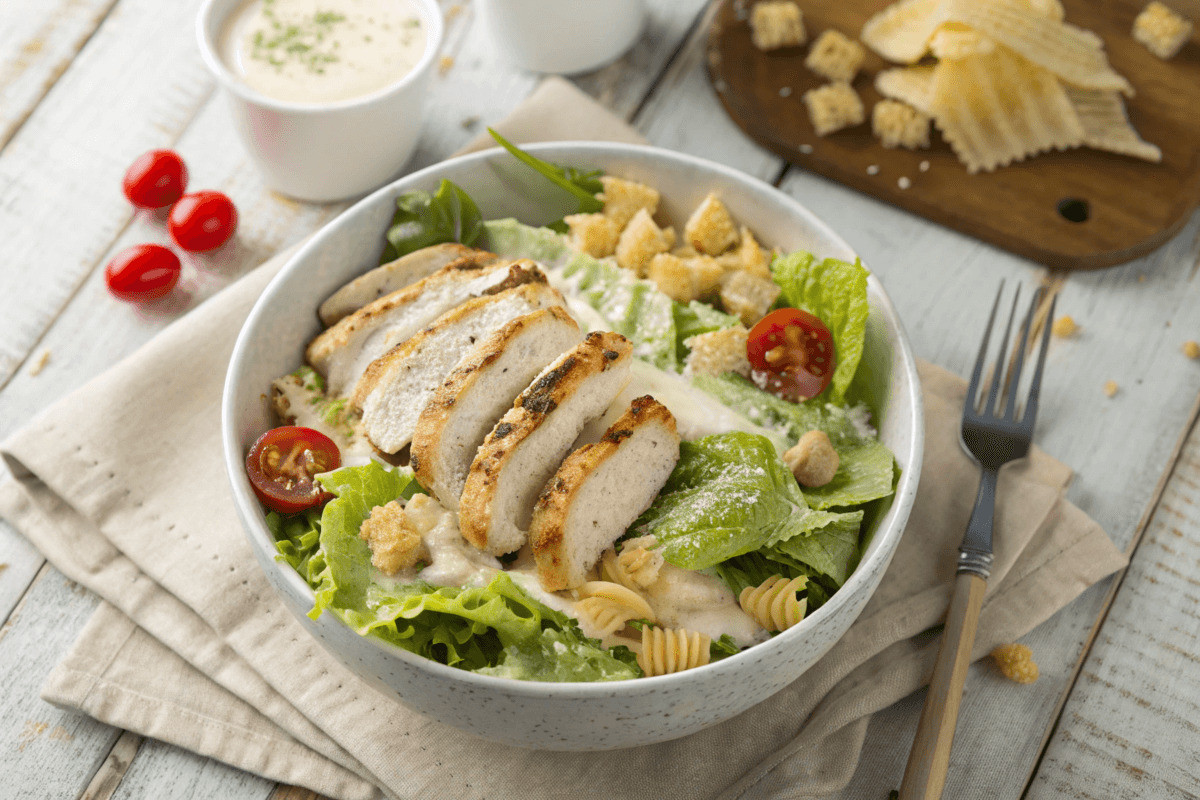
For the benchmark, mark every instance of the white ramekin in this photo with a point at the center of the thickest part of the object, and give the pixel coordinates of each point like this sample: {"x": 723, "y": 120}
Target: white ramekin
{"x": 325, "y": 151}
{"x": 564, "y": 36}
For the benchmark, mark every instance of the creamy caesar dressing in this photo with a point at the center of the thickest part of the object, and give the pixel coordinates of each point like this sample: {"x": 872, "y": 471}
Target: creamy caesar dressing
{"x": 680, "y": 598}
{"x": 322, "y": 51}
{"x": 304, "y": 404}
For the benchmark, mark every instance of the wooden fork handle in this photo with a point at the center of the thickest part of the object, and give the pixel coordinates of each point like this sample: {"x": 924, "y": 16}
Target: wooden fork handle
{"x": 925, "y": 774}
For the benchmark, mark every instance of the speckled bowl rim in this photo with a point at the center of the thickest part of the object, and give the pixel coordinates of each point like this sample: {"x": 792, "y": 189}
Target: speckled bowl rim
{"x": 886, "y": 537}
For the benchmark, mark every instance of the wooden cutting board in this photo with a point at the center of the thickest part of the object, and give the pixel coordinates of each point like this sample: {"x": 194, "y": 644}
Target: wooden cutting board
{"x": 1132, "y": 206}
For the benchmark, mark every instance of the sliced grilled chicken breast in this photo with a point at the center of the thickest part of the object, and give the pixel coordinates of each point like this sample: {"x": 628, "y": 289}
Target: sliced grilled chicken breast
{"x": 477, "y": 393}
{"x": 343, "y": 352}
{"x": 399, "y": 384}
{"x": 525, "y": 448}
{"x": 394, "y": 275}
{"x": 599, "y": 491}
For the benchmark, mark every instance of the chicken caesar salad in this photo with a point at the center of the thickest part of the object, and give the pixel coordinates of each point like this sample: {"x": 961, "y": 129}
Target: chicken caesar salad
{"x": 596, "y": 450}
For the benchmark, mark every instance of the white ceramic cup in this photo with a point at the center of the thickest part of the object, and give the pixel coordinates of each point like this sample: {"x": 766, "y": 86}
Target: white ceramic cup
{"x": 325, "y": 151}
{"x": 564, "y": 36}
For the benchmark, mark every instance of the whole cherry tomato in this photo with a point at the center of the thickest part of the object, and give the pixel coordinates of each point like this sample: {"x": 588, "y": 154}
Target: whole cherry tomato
{"x": 795, "y": 350}
{"x": 155, "y": 179}
{"x": 202, "y": 221}
{"x": 142, "y": 272}
{"x": 282, "y": 463}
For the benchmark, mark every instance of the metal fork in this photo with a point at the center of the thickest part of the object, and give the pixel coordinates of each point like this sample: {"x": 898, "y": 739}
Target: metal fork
{"x": 995, "y": 431}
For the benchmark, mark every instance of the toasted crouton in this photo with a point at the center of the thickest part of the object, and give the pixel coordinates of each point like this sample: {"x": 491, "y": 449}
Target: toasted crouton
{"x": 599, "y": 491}
{"x": 775, "y": 24}
{"x": 685, "y": 279}
{"x": 641, "y": 241}
{"x": 624, "y": 199}
{"x": 478, "y": 392}
{"x": 1161, "y": 29}
{"x": 399, "y": 384}
{"x": 832, "y": 107}
{"x": 898, "y": 124}
{"x": 710, "y": 229}
{"x": 343, "y": 352}
{"x": 748, "y": 297}
{"x": 394, "y": 275}
{"x": 395, "y": 543}
{"x": 594, "y": 234}
{"x": 835, "y": 56}
{"x": 525, "y": 448}
{"x": 718, "y": 352}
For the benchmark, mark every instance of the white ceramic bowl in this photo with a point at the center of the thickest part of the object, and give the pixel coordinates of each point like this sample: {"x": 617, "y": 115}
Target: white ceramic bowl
{"x": 564, "y": 36}
{"x": 546, "y": 715}
{"x": 325, "y": 151}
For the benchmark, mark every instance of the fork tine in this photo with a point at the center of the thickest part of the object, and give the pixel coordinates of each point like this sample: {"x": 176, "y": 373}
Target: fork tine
{"x": 998, "y": 372}
{"x": 1014, "y": 377}
{"x": 1035, "y": 386}
{"x": 973, "y": 388}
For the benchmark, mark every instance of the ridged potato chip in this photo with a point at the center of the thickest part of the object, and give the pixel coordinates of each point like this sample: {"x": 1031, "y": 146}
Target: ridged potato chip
{"x": 1106, "y": 126}
{"x": 901, "y": 31}
{"x": 910, "y": 85}
{"x": 998, "y": 108}
{"x": 956, "y": 40}
{"x": 1071, "y": 53}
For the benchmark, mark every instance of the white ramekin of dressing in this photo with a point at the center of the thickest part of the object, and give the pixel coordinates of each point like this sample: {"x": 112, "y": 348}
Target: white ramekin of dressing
{"x": 564, "y": 36}
{"x": 328, "y": 97}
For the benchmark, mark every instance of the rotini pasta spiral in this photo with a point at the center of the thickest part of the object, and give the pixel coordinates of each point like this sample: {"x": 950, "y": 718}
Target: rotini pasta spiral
{"x": 667, "y": 650}
{"x": 607, "y": 606}
{"x": 635, "y": 568}
{"x": 774, "y": 604}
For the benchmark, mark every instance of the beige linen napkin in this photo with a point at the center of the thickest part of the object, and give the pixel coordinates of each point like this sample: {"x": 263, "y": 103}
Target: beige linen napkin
{"x": 121, "y": 486}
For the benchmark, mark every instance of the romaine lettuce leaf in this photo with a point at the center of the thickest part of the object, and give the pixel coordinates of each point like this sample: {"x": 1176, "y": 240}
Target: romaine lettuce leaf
{"x": 298, "y": 540}
{"x": 729, "y": 494}
{"x": 511, "y": 239}
{"x": 836, "y": 292}
{"x": 831, "y": 550}
{"x": 473, "y": 628}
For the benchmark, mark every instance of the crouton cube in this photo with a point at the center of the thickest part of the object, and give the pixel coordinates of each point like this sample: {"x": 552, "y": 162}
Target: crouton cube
{"x": 395, "y": 543}
{"x": 898, "y": 124}
{"x": 835, "y": 56}
{"x": 775, "y": 24}
{"x": 718, "y": 352}
{"x": 669, "y": 235}
{"x": 755, "y": 260}
{"x": 1162, "y": 30}
{"x": 594, "y": 234}
{"x": 623, "y": 199}
{"x": 710, "y": 229}
{"x": 832, "y": 107}
{"x": 685, "y": 279}
{"x": 748, "y": 297}
{"x": 641, "y": 241}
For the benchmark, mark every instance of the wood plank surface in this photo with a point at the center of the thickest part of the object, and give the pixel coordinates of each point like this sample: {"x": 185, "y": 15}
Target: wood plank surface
{"x": 1135, "y": 205}
{"x": 1131, "y": 727}
{"x": 163, "y": 770}
{"x": 38, "y": 41}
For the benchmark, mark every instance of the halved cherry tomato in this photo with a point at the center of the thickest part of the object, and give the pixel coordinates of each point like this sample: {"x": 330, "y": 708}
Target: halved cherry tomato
{"x": 142, "y": 272}
{"x": 282, "y": 463}
{"x": 155, "y": 179}
{"x": 795, "y": 351}
{"x": 202, "y": 221}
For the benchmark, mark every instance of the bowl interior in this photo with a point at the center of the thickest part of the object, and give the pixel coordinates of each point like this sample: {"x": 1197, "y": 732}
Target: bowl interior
{"x": 284, "y": 319}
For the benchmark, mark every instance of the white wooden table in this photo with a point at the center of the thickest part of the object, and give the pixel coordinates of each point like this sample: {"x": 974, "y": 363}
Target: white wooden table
{"x": 86, "y": 85}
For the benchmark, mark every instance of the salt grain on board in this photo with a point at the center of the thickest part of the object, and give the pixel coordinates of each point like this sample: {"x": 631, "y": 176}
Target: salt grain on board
{"x": 873, "y": 169}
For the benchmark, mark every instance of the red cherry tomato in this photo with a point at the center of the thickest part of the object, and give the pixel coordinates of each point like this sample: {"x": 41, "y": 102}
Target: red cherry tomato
{"x": 282, "y": 463}
{"x": 155, "y": 179}
{"x": 142, "y": 272}
{"x": 202, "y": 221}
{"x": 795, "y": 351}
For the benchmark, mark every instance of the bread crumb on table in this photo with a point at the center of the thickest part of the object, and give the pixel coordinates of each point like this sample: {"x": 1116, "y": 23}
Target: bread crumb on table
{"x": 832, "y": 107}
{"x": 1064, "y": 327}
{"x": 40, "y": 364}
{"x": 1110, "y": 388}
{"x": 1191, "y": 349}
{"x": 1162, "y": 30}
{"x": 835, "y": 56}
{"x": 1016, "y": 662}
{"x": 444, "y": 64}
{"x": 777, "y": 23}
{"x": 898, "y": 124}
